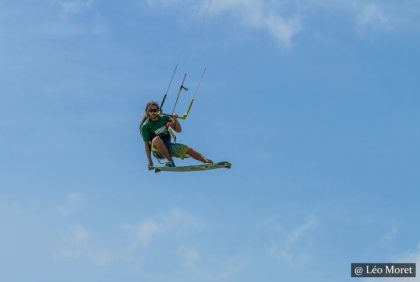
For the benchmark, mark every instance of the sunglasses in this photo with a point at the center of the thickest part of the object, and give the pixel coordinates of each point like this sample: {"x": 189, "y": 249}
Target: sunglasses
{"x": 153, "y": 110}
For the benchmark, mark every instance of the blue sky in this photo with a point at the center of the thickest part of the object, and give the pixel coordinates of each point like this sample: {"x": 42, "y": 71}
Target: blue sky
{"x": 314, "y": 102}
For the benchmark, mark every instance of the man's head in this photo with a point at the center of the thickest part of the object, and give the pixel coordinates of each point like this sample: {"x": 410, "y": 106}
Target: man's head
{"x": 152, "y": 110}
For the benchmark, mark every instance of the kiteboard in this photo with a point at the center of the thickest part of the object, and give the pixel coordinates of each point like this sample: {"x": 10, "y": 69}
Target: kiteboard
{"x": 194, "y": 167}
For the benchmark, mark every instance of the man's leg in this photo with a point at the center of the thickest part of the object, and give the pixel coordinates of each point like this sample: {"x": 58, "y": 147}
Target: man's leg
{"x": 161, "y": 147}
{"x": 196, "y": 155}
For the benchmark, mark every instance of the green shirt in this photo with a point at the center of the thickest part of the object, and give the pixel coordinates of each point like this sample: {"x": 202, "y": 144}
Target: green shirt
{"x": 150, "y": 129}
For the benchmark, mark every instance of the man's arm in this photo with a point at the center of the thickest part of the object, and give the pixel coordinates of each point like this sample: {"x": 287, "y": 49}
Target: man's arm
{"x": 149, "y": 155}
{"x": 175, "y": 124}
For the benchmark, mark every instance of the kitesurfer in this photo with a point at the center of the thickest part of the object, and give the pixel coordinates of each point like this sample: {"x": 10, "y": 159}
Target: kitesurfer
{"x": 154, "y": 128}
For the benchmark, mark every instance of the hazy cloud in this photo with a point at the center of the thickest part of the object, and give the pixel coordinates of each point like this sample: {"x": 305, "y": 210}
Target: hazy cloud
{"x": 412, "y": 256}
{"x": 80, "y": 246}
{"x": 263, "y": 15}
{"x": 73, "y": 6}
{"x": 79, "y": 234}
{"x": 254, "y": 14}
{"x": 73, "y": 203}
{"x": 389, "y": 237}
{"x": 75, "y": 18}
{"x": 284, "y": 20}
{"x": 172, "y": 223}
{"x": 76, "y": 242}
{"x": 190, "y": 256}
{"x": 287, "y": 249}
{"x": 372, "y": 17}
